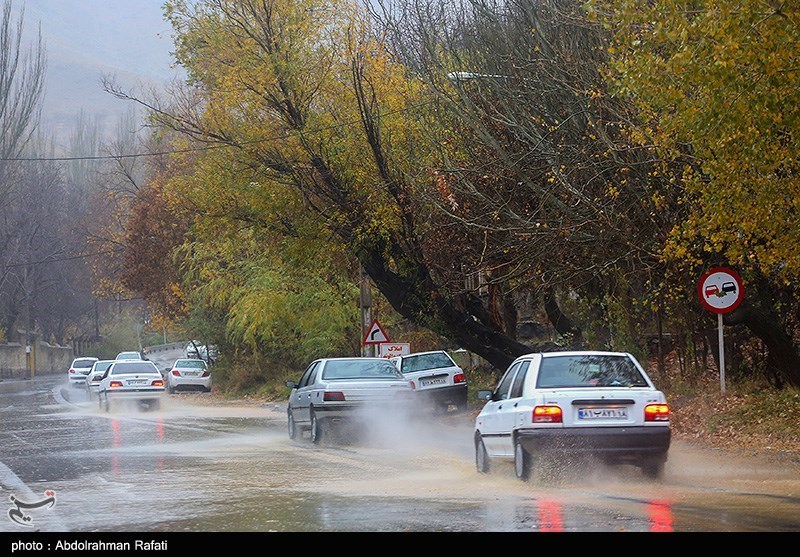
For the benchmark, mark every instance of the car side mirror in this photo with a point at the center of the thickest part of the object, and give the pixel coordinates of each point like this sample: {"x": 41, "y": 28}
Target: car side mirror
{"x": 485, "y": 395}
{"x": 291, "y": 384}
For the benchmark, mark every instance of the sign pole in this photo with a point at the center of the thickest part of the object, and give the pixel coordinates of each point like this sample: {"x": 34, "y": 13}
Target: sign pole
{"x": 721, "y": 291}
{"x": 721, "y": 354}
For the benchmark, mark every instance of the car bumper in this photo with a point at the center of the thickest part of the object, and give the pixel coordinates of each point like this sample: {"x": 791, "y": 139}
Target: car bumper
{"x": 191, "y": 383}
{"x": 617, "y": 443}
{"x": 364, "y": 412}
{"x": 143, "y": 394}
{"x": 452, "y": 394}
{"x": 77, "y": 379}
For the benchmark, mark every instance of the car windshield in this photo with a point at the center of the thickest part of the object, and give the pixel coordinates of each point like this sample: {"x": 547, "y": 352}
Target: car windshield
{"x": 589, "y": 371}
{"x": 425, "y": 361}
{"x": 83, "y": 362}
{"x": 194, "y": 364}
{"x": 128, "y": 356}
{"x": 134, "y": 367}
{"x": 102, "y": 366}
{"x": 360, "y": 369}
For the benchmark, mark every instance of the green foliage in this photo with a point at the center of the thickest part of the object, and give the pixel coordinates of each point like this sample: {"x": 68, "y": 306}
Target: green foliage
{"x": 718, "y": 85}
{"x": 119, "y": 334}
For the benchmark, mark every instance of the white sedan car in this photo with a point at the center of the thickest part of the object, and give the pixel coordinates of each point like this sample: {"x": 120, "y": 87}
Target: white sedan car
{"x": 338, "y": 394}
{"x": 133, "y": 380}
{"x": 95, "y": 376}
{"x": 553, "y": 407}
{"x": 188, "y": 374}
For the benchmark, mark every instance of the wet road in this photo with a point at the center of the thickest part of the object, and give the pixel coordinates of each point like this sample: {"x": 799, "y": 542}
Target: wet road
{"x": 203, "y": 468}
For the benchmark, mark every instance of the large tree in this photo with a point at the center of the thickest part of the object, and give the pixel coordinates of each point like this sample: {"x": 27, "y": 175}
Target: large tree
{"x": 717, "y": 85}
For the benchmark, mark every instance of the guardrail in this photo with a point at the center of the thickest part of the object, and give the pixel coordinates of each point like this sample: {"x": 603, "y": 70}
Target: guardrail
{"x": 164, "y": 347}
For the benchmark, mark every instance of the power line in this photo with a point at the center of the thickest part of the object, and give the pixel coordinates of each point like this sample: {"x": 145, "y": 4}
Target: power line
{"x": 204, "y": 148}
{"x": 57, "y": 259}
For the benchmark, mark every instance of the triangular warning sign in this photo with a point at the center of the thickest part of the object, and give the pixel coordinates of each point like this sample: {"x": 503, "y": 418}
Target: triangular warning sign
{"x": 375, "y": 334}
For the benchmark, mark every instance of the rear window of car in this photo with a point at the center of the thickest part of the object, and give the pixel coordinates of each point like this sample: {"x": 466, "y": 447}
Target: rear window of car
{"x": 83, "y": 362}
{"x": 588, "y": 371}
{"x": 101, "y": 366}
{"x": 425, "y": 361}
{"x": 134, "y": 367}
{"x": 198, "y": 364}
{"x": 354, "y": 369}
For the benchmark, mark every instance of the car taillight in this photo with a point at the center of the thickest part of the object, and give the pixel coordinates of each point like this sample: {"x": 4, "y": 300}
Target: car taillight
{"x": 459, "y": 378}
{"x": 157, "y": 383}
{"x": 333, "y": 395}
{"x": 547, "y": 415}
{"x": 413, "y": 385}
{"x": 72, "y": 371}
{"x": 115, "y": 384}
{"x": 206, "y": 373}
{"x": 176, "y": 373}
{"x": 656, "y": 413}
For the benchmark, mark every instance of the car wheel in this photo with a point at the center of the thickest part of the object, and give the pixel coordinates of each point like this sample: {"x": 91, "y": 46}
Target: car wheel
{"x": 106, "y": 404}
{"x": 292, "y": 426}
{"x": 481, "y": 456}
{"x": 100, "y": 400}
{"x": 522, "y": 461}
{"x": 316, "y": 429}
{"x": 653, "y": 469}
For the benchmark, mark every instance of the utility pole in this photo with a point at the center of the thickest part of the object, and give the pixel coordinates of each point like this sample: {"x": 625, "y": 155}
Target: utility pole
{"x": 365, "y": 304}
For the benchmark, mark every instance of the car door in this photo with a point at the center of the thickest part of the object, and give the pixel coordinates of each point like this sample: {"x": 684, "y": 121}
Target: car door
{"x": 508, "y": 412}
{"x": 301, "y": 396}
{"x": 491, "y": 429}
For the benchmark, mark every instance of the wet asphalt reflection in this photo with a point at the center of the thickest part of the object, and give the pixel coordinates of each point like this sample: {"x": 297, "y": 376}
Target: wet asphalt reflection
{"x": 190, "y": 467}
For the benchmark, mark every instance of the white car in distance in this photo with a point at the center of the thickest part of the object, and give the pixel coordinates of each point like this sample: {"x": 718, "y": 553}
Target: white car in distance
{"x": 95, "y": 375}
{"x": 188, "y": 374}
{"x": 138, "y": 381}
{"x": 78, "y": 370}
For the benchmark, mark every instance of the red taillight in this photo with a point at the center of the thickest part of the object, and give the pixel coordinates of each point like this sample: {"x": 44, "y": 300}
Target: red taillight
{"x": 114, "y": 384}
{"x": 333, "y": 395}
{"x": 176, "y": 373}
{"x": 206, "y": 374}
{"x": 656, "y": 413}
{"x": 72, "y": 371}
{"x": 459, "y": 378}
{"x": 157, "y": 383}
{"x": 413, "y": 385}
{"x": 547, "y": 415}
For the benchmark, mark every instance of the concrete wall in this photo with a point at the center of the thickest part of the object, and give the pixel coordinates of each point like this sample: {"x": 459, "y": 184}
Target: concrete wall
{"x": 13, "y": 362}
{"x": 47, "y": 358}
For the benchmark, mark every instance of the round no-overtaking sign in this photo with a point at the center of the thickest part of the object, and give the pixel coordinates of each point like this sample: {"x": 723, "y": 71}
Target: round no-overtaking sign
{"x": 720, "y": 290}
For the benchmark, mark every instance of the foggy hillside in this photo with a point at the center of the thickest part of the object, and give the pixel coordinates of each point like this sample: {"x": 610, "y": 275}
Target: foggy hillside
{"x": 87, "y": 39}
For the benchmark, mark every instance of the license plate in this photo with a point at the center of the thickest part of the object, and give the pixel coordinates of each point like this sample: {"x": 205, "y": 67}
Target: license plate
{"x": 429, "y": 382}
{"x": 192, "y": 373}
{"x": 602, "y": 413}
{"x": 137, "y": 381}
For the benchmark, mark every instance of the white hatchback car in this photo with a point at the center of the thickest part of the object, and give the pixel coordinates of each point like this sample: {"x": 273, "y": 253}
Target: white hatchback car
{"x": 436, "y": 378}
{"x": 79, "y": 369}
{"x": 571, "y": 404}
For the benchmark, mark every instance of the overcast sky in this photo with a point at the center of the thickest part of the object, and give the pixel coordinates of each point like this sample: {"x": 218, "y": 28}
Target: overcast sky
{"x": 88, "y": 39}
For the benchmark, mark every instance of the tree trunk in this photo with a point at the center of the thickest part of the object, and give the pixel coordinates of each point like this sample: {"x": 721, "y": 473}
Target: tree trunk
{"x": 757, "y": 313}
{"x": 414, "y": 296}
